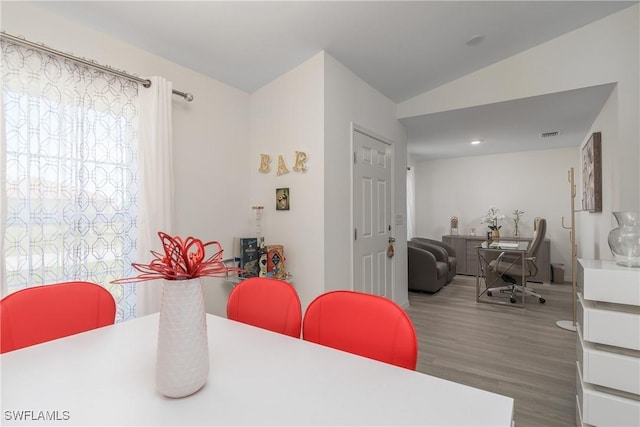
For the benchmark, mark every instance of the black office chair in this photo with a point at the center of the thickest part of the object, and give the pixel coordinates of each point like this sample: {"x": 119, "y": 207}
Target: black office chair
{"x": 509, "y": 267}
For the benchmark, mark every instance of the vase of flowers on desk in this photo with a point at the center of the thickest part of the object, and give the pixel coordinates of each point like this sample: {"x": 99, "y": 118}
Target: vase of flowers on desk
{"x": 491, "y": 219}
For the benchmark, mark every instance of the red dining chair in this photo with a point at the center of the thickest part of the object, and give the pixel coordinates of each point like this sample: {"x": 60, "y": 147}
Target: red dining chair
{"x": 266, "y": 303}
{"x": 363, "y": 324}
{"x": 43, "y": 313}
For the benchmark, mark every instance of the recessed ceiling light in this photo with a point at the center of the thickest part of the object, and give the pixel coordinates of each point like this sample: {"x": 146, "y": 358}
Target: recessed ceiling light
{"x": 475, "y": 40}
{"x": 476, "y": 142}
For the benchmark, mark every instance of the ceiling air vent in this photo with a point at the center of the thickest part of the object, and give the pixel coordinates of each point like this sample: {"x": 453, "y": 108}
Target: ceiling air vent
{"x": 549, "y": 134}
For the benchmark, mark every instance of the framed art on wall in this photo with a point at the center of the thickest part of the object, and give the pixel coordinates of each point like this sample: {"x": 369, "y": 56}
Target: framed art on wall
{"x": 282, "y": 199}
{"x": 592, "y": 174}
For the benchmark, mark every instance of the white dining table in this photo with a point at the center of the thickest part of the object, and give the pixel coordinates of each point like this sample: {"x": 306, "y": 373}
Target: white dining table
{"x": 257, "y": 377}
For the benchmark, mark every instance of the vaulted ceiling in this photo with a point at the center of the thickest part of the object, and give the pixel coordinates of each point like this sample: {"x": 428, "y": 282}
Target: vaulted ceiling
{"x": 401, "y": 48}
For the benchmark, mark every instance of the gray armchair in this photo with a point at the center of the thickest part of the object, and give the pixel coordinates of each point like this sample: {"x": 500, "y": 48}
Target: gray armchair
{"x": 426, "y": 273}
{"x": 447, "y": 253}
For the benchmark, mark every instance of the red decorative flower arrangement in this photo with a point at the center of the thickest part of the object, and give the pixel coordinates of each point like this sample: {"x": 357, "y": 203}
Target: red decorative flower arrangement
{"x": 182, "y": 259}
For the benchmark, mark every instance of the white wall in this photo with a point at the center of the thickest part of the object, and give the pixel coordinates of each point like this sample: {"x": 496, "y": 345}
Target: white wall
{"x": 310, "y": 109}
{"x": 593, "y": 228}
{"x": 534, "y": 181}
{"x": 287, "y": 115}
{"x": 605, "y": 51}
{"x": 211, "y": 134}
{"x": 348, "y": 99}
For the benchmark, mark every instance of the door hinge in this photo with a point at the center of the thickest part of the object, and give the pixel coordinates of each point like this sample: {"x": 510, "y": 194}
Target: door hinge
{"x": 354, "y": 157}
{"x": 355, "y": 234}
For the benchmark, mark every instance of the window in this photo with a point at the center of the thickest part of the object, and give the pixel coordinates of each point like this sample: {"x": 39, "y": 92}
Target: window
{"x": 71, "y": 193}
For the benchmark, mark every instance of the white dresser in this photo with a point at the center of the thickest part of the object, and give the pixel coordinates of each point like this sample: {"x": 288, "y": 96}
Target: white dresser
{"x": 608, "y": 349}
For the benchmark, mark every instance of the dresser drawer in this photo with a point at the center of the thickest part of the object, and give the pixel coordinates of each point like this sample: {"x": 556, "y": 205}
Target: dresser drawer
{"x": 607, "y": 282}
{"x": 603, "y": 409}
{"x": 608, "y": 369}
{"x": 579, "y": 422}
{"x": 619, "y": 327}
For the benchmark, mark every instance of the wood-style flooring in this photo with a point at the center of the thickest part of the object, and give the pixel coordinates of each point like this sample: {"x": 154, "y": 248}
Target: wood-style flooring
{"x": 517, "y": 352}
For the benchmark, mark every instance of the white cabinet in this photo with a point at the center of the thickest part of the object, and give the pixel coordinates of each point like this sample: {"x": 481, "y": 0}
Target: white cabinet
{"x": 608, "y": 345}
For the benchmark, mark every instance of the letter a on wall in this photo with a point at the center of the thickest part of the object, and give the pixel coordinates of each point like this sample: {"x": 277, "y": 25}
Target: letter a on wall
{"x": 282, "y": 165}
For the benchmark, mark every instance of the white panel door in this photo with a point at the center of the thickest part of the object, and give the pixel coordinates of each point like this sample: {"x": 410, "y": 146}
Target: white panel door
{"x": 371, "y": 215}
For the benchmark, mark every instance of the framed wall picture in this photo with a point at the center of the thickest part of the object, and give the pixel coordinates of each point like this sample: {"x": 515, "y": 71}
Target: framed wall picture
{"x": 282, "y": 199}
{"x": 592, "y": 174}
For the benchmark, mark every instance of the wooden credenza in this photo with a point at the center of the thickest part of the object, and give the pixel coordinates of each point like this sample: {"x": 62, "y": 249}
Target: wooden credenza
{"x": 467, "y": 255}
{"x": 608, "y": 356}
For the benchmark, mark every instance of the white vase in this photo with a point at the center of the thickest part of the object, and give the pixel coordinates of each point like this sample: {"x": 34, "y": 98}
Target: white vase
{"x": 182, "y": 365}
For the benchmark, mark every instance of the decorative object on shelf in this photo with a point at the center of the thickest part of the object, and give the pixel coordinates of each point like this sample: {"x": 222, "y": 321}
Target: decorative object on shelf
{"x": 262, "y": 260}
{"x": 182, "y": 364}
{"x": 491, "y": 218}
{"x": 592, "y": 174}
{"x": 262, "y": 255}
{"x": 517, "y": 216}
{"x": 275, "y": 261}
{"x": 454, "y": 225}
{"x": 282, "y": 199}
{"x": 624, "y": 240}
{"x": 249, "y": 257}
{"x": 570, "y": 325}
{"x": 257, "y": 222}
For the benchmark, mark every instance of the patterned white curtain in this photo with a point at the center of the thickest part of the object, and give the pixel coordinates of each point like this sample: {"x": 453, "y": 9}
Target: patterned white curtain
{"x": 69, "y": 174}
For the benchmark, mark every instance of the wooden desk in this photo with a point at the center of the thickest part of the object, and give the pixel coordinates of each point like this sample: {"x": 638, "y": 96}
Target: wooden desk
{"x": 106, "y": 377}
{"x": 467, "y": 256}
